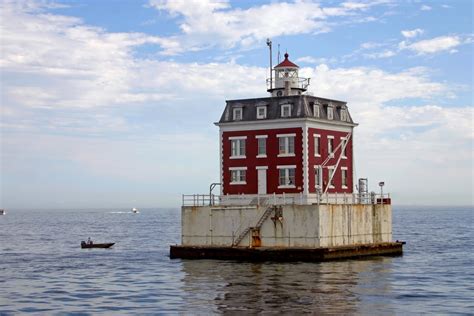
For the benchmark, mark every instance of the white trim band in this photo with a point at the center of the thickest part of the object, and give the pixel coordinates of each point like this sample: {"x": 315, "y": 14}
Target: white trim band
{"x": 237, "y": 168}
{"x": 286, "y": 135}
{"x": 286, "y": 167}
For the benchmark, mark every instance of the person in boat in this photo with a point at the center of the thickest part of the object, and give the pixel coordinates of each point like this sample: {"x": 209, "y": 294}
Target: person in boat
{"x": 89, "y": 241}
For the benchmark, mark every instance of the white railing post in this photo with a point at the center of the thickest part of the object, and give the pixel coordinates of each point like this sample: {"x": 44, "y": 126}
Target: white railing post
{"x": 284, "y": 198}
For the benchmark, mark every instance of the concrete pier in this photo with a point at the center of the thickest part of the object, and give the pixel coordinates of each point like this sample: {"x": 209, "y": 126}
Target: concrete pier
{"x": 294, "y": 232}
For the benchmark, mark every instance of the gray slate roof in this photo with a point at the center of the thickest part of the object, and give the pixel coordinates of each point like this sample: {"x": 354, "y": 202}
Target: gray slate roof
{"x": 302, "y": 107}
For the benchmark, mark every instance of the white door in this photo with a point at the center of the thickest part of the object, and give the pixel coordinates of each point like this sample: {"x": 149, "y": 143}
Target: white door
{"x": 262, "y": 181}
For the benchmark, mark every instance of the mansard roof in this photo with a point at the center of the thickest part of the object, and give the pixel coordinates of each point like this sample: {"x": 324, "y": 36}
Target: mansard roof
{"x": 301, "y": 107}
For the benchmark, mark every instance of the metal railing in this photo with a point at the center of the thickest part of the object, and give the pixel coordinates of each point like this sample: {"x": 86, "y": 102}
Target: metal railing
{"x": 284, "y": 199}
{"x": 296, "y": 82}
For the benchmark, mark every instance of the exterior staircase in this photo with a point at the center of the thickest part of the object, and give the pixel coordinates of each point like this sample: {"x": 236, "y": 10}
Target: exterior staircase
{"x": 259, "y": 224}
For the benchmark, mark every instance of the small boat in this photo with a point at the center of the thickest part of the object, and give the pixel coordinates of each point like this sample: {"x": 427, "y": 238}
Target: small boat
{"x": 135, "y": 210}
{"x": 3, "y": 212}
{"x": 85, "y": 245}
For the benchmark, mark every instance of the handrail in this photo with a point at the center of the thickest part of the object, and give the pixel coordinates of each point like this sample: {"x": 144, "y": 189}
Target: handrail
{"x": 284, "y": 199}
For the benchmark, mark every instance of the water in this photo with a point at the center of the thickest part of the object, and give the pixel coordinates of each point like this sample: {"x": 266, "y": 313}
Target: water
{"x": 44, "y": 271}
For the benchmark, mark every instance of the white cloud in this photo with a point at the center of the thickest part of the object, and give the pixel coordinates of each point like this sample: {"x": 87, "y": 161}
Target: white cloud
{"x": 367, "y": 86}
{"x": 434, "y": 45}
{"x": 215, "y": 23}
{"x": 65, "y": 84}
{"x": 412, "y": 33}
{"x": 425, "y": 8}
{"x": 410, "y": 147}
{"x": 311, "y": 60}
{"x": 384, "y": 54}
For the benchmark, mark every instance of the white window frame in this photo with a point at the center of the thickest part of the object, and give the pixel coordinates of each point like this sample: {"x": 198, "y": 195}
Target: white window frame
{"x": 316, "y": 110}
{"x": 344, "y": 171}
{"x": 285, "y": 107}
{"x": 286, "y": 170}
{"x": 237, "y": 114}
{"x": 238, "y": 171}
{"x": 331, "y": 184}
{"x": 343, "y": 115}
{"x": 317, "y": 183}
{"x": 264, "y": 116}
{"x": 287, "y": 152}
{"x": 317, "y": 145}
{"x": 343, "y": 149}
{"x": 331, "y": 146}
{"x": 238, "y": 153}
{"x": 259, "y": 137}
{"x": 330, "y": 112}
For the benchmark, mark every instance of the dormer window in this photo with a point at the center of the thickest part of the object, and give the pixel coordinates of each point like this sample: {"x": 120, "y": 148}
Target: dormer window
{"x": 316, "y": 110}
{"x": 286, "y": 110}
{"x": 237, "y": 114}
{"x": 261, "y": 112}
{"x": 330, "y": 112}
{"x": 343, "y": 115}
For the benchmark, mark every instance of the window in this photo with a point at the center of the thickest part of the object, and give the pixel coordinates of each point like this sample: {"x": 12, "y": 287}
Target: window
{"x": 286, "y": 110}
{"x": 286, "y": 177}
{"x": 237, "y": 114}
{"x": 343, "y": 115}
{"x": 330, "y": 145}
{"x": 261, "y": 112}
{"x": 330, "y": 112}
{"x": 238, "y": 175}
{"x": 286, "y": 145}
{"x": 331, "y": 181}
{"x": 344, "y": 147}
{"x": 316, "y": 110}
{"x": 318, "y": 176}
{"x": 262, "y": 146}
{"x": 317, "y": 145}
{"x": 237, "y": 147}
{"x": 344, "y": 177}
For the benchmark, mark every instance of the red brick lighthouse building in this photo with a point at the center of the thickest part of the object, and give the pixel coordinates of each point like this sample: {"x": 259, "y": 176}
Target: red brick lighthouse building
{"x": 289, "y": 144}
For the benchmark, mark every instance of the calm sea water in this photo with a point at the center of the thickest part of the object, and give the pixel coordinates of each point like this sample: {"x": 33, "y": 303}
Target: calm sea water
{"x": 44, "y": 271}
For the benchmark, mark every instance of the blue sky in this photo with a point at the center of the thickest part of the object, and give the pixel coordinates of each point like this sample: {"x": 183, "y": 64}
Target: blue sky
{"x": 112, "y": 103}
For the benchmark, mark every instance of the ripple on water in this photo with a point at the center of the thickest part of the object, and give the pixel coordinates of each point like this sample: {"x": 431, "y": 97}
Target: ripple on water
{"x": 136, "y": 276}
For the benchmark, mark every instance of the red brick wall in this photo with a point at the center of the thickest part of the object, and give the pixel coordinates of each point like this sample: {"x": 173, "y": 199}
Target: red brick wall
{"x": 312, "y": 160}
{"x": 272, "y": 161}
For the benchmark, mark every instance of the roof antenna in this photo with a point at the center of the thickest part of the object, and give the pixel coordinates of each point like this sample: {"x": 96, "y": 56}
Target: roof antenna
{"x": 269, "y": 44}
{"x": 278, "y": 53}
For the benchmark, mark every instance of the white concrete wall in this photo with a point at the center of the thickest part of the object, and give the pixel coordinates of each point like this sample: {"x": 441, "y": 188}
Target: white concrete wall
{"x": 301, "y": 226}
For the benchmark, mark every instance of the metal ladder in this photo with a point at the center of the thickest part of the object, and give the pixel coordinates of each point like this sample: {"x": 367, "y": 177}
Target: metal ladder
{"x": 260, "y": 222}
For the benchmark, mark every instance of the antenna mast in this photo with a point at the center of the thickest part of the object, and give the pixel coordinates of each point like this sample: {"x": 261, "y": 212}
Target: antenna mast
{"x": 269, "y": 44}
{"x": 278, "y": 53}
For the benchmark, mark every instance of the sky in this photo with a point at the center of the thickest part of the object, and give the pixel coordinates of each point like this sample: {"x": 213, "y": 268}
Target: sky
{"x": 112, "y": 103}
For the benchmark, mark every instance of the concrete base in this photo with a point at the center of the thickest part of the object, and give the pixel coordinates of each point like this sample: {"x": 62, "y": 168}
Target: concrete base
{"x": 287, "y": 254}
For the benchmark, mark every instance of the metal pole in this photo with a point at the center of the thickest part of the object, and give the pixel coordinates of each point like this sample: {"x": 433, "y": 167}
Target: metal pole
{"x": 269, "y": 43}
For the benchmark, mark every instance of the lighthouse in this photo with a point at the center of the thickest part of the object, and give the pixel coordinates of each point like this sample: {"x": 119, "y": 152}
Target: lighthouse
{"x": 287, "y": 188}
{"x": 290, "y": 143}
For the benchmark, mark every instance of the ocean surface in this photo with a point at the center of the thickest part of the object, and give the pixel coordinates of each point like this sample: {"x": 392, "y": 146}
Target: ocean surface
{"x": 44, "y": 271}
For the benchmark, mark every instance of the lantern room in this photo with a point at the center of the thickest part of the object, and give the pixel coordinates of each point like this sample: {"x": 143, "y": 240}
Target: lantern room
{"x": 285, "y": 80}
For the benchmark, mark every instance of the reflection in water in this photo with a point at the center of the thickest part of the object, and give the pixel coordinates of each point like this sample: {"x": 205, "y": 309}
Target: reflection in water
{"x": 328, "y": 287}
